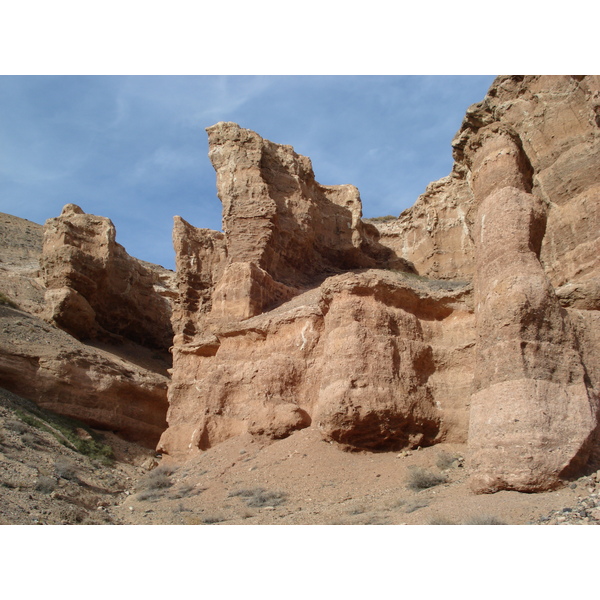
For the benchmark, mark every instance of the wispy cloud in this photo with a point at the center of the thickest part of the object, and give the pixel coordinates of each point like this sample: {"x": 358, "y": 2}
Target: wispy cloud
{"x": 134, "y": 148}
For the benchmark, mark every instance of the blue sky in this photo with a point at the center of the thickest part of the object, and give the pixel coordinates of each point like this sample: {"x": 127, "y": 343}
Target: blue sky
{"x": 134, "y": 149}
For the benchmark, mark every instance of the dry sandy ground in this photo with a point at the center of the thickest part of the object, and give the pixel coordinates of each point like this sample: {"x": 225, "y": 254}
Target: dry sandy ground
{"x": 306, "y": 481}
{"x": 301, "y": 480}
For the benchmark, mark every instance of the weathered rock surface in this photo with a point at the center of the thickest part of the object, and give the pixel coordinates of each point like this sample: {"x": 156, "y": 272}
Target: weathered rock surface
{"x": 120, "y": 387}
{"x": 272, "y": 336}
{"x": 353, "y": 357}
{"x": 534, "y": 413}
{"x": 20, "y": 250}
{"x": 95, "y": 290}
{"x": 472, "y": 318}
{"x": 127, "y": 394}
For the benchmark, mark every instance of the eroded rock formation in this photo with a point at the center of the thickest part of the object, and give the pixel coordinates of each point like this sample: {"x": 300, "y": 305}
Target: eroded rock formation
{"x": 297, "y": 315}
{"x": 472, "y": 318}
{"x": 302, "y": 314}
{"x": 95, "y": 290}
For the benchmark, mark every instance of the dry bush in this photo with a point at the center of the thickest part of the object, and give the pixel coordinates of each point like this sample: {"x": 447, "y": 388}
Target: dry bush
{"x": 440, "y": 521}
{"x": 157, "y": 479}
{"x": 45, "y": 484}
{"x": 186, "y": 490}
{"x": 421, "y": 479}
{"x": 445, "y": 460}
{"x": 16, "y": 426}
{"x": 412, "y": 506}
{"x": 258, "y": 497}
{"x": 485, "y": 520}
{"x": 211, "y": 519}
{"x": 64, "y": 468}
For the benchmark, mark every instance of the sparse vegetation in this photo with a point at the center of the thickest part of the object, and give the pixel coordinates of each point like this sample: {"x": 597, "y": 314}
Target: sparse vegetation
{"x": 416, "y": 505}
{"x": 157, "y": 479}
{"x": 6, "y": 301}
{"x": 186, "y": 490}
{"x": 16, "y": 426}
{"x": 64, "y": 430}
{"x": 445, "y": 460}
{"x": 422, "y": 479}
{"x": 440, "y": 521}
{"x": 31, "y": 440}
{"x": 65, "y": 469}
{"x": 485, "y": 520}
{"x": 45, "y": 484}
{"x": 259, "y": 497}
{"x": 211, "y": 519}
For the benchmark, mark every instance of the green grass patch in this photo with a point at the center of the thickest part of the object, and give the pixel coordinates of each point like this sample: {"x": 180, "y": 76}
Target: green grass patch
{"x": 64, "y": 431}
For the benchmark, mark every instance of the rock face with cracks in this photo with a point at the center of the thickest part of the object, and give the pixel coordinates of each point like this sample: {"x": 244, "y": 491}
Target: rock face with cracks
{"x": 296, "y": 315}
{"x": 108, "y": 381}
{"x": 473, "y": 317}
{"x": 95, "y": 290}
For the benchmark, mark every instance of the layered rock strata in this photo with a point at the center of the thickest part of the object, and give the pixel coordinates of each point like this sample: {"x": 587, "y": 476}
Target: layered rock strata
{"x": 534, "y": 412}
{"x": 127, "y": 395}
{"x": 95, "y": 290}
{"x": 271, "y": 336}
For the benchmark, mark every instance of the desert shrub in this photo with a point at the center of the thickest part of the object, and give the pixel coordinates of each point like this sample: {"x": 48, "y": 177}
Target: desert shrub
{"x": 421, "y": 479}
{"x": 186, "y": 490}
{"x": 45, "y": 484}
{"x": 257, "y": 497}
{"x": 16, "y": 426}
{"x": 150, "y": 495}
{"x": 440, "y": 521}
{"x": 416, "y": 505}
{"x": 356, "y": 510}
{"x": 211, "y": 519}
{"x": 445, "y": 460}
{"x": 484, "y": 520}
{"x": 157, "y": 479}
{"x": 32, "y": 440}
{"x": 64, "y": 468}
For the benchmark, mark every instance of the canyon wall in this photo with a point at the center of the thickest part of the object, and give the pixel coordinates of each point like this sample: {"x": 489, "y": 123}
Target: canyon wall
{"x": 72, "y": 272}
{"x": 473, "y": 317}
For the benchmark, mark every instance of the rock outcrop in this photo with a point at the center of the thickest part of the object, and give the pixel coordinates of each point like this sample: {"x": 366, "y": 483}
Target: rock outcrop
{"x": 125, "y": 394}
{"x": 95, "y": 290}
{"x": 472, "y": 317}
{"x": 533, "y": 412}
{"x": 21, "y": 280}
{"x": 297, "y": 315}
{"x": 107, "y": 298}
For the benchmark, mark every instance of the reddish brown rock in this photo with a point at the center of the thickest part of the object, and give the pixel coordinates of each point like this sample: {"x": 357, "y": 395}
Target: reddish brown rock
{"x": 349, "y": 357}
{"x": 94, "y": 289}
{"x": 92, "y": 384}
{"x": 263, "y": 347}
{"x": 534, "y": 413}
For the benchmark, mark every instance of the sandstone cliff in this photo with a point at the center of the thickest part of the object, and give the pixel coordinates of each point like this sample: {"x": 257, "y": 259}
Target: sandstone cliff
{"x": 472, "y": 317}
{"x": 297, "y": 315}
{"x": 94, "y": 289}
{"x": 116, "y": 379}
